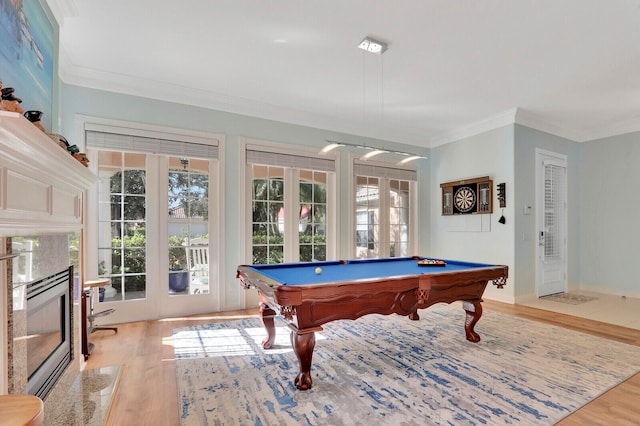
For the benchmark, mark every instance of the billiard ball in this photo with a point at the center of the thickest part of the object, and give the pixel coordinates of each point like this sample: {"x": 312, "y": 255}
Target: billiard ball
{"x": 318, "y": 271}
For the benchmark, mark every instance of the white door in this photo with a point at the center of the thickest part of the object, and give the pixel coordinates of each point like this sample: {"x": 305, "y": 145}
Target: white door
{"x": 551, "y": 223}
{"x": 191, "y": 232}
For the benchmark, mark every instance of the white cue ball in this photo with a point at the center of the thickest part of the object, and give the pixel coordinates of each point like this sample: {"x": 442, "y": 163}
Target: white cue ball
{"x": 318, "y": 271}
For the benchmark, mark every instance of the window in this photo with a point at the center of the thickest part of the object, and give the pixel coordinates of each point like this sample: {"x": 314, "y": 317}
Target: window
{"x": 383, "y": 201}
{"x": 122, "y": 223}
{"x": 267, "y": 206}
{"x": 399, "y": 218}
{"x": 554, "y": 203}
{"x": 367, "y": 217}
{"x": 188, "y": 225}
{"x": 290, "y": 205}
{"x": 312, "y": 213}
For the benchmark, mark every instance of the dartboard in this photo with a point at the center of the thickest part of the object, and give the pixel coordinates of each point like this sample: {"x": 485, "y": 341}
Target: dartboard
{"x": 465, "y": 199}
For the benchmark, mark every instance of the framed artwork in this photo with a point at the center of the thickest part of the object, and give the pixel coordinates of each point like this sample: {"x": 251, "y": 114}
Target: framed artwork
{"x": 27, "y": 45}
{"x": 469, "y": 196}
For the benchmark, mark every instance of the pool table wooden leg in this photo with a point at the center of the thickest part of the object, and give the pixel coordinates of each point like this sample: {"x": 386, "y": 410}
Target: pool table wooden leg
{"x": 266, "y": 316}
{"x": 303, "y": 345}
{"x": 474, "y": 312}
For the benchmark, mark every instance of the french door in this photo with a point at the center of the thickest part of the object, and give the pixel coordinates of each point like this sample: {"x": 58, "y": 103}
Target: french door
{"x": 290, "y": 214}
{"x": 188, "y": 189}
{"x": 384, "y": 211}
{"x": 152, "y": 212}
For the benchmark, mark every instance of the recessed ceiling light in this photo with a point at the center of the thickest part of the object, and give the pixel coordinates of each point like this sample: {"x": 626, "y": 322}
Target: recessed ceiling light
{"x": 373, "y": 46}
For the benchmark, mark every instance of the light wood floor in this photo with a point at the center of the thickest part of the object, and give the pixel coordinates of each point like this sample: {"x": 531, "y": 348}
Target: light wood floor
{"x": 147, "y": 394}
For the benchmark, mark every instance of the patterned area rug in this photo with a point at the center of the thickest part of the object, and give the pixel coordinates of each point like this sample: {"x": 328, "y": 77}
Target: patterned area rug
{"x": 571, "y": 299}
{"x": 391, "y": 370}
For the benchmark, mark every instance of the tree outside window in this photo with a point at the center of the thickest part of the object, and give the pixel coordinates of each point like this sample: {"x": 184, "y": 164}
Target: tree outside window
{"x": 188, "y": 219}
{"x": 268, "y": 214}
{"x": 312, "y": 214}
{"x": 122, "y": 224}
{"x": 273, "y": 215}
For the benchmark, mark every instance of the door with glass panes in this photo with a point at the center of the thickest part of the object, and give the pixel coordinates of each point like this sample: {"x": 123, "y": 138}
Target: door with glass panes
{"x": 382, "y": 217}
{"x": 289, "y": 214}
{"x": 153, "y": 240}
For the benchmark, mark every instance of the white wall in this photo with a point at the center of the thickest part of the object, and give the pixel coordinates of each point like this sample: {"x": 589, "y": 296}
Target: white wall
{"x": 487, "y": 154}
{"x": 609, "y": 210}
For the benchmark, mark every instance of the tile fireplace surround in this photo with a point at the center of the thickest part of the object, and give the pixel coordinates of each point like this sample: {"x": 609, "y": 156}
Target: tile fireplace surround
{"x": 41, "y": 193}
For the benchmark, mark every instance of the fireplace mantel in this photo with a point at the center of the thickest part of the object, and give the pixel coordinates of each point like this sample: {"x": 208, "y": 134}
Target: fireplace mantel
{"x": 41, "y": 184}
{"x": 41, "y": 192}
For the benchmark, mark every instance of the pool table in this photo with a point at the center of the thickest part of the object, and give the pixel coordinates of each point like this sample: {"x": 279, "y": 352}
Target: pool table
{"x": 308, "y": 295}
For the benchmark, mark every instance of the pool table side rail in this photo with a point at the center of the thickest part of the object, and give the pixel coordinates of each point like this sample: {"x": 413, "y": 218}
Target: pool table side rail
{"x": 441, "y": 282}
{"x": 250, "y": 276}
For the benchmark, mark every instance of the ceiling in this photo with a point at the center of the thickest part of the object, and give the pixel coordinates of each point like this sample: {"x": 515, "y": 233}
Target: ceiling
{"x": 571, "y": 67}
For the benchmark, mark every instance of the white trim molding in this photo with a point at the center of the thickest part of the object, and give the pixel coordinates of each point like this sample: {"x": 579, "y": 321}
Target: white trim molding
{"x": 499, "y": 120}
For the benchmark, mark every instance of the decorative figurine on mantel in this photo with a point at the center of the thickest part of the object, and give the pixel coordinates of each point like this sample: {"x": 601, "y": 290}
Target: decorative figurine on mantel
{"x": 73, "y": 149}
{"x": 10, "y": 102}
{"x": 34, "y": 117}
{"x": 82, "y": 158}
{"x": 59, "y": 140}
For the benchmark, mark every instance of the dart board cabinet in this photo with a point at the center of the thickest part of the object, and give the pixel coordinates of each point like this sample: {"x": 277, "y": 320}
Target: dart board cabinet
{"x": 468, "y": 196}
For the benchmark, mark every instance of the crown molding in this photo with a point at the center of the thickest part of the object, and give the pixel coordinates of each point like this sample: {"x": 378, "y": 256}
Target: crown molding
{"x": 621, "y": 128}
{"x": 71, "y": 74}
{"x": 535, "y": 121}
{"x": 100, "y": 80}
{"x": 499, "y": 120}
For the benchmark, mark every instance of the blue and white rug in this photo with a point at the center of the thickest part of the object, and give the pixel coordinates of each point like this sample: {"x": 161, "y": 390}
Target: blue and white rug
{"x": 391, "y": 370}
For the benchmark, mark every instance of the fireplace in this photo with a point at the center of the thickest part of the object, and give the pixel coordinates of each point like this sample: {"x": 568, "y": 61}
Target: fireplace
{"x": 49, "y": 331}
{"x": 41, "y": 325}
{"x": 41, "y": 194}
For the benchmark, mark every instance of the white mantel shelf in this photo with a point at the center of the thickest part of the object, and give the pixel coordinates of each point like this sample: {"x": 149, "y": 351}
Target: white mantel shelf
{"x": 41, "y": 184}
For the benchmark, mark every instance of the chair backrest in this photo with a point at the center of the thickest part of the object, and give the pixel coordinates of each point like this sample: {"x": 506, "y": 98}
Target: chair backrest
{"x": 198, "y": 256}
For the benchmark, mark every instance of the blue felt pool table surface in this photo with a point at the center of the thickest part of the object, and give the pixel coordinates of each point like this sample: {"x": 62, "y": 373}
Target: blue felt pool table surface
{"x": 294, "y": 274}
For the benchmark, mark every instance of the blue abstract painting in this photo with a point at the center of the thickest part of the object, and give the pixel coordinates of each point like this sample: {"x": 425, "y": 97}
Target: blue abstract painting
{"x": 26, "y": 54}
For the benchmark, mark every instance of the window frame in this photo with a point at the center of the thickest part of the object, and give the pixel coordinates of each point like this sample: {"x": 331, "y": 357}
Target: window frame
{"x": 291, "y": 197}
{"x": 158, "y": 304}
